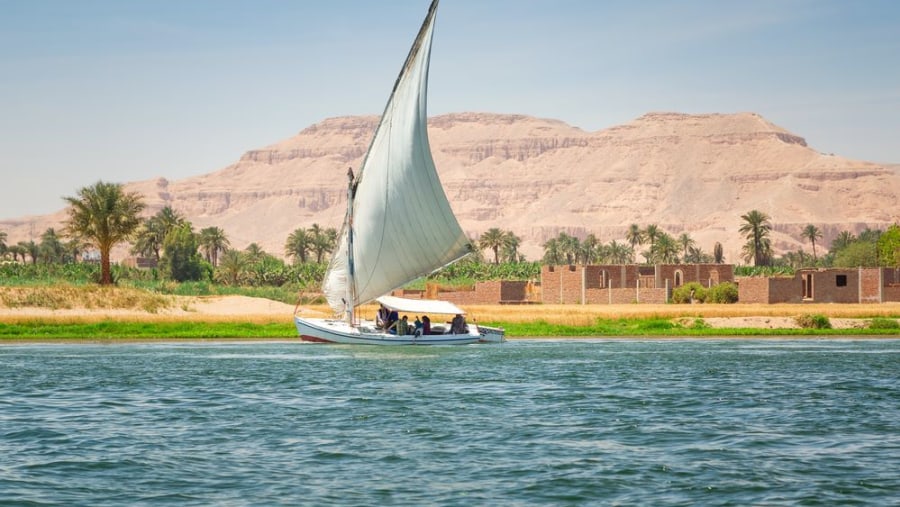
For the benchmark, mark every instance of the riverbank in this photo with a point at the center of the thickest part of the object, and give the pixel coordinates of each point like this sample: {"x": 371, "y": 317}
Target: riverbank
{"x": 241, "y": 317}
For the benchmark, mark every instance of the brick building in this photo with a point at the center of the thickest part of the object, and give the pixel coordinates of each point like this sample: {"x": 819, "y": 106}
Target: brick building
{"x": 861, "y": 285}
{"x": 628, "y": 283}
{"x": 483, "y": 293}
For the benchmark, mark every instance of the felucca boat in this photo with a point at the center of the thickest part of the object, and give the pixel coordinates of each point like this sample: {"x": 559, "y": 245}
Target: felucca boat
{"x": 399, "y": 225}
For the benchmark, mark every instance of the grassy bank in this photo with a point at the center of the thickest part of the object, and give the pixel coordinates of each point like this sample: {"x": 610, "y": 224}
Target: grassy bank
{"x": 113, "y": 330}
{"x": 653, "y": 327}
{"x": 265, "y": 327}
{"x": 91, "y": 313}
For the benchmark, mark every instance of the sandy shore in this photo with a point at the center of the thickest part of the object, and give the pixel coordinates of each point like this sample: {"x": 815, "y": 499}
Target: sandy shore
{"x": 182, "y": 308}
{"x": 242, "y": 308}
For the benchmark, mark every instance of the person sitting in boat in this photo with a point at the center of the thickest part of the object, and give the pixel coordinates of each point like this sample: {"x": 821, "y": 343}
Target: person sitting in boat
{"x": 458, "y": 325}
{"x": 392, "y": 319}
{"x": 418, "y": 326}
{"x": 400, "y": 327}
{"x": 381, "y": 318}
{"x": 426, "y": 325}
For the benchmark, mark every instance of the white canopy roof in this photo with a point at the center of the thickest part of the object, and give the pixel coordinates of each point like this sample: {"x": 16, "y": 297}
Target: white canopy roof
{"x": 423, "y": 306}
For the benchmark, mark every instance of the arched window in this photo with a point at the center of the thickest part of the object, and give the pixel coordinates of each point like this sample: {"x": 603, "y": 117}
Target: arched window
{"x": 679, "y": 278}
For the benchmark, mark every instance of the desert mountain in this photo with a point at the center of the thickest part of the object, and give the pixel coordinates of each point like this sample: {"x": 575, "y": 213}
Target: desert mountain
{"x": 537, "y": 177}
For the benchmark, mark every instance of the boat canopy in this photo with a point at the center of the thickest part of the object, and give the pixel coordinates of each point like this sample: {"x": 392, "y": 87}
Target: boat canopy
{"x": 423, "y": 306}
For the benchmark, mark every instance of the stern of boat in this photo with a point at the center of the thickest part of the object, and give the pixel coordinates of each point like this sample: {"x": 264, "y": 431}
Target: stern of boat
{"x": 491, "y": 334}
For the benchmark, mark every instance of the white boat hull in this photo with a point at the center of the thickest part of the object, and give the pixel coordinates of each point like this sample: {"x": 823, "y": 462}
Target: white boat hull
{"x": 338, "y": 331}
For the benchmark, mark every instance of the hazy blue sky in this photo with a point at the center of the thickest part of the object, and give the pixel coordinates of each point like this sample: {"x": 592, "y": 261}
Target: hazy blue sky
{"x": 131, "y": 90}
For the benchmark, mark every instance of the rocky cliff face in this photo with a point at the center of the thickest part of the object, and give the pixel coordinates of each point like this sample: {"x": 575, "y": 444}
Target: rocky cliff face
{"x": 537, "y": 177}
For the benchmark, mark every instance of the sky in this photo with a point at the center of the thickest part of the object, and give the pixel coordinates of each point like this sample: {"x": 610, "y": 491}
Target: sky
{"x": 128, "y": 91}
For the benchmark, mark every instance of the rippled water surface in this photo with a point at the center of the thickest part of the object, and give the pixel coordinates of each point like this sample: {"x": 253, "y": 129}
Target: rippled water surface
{"x": 526, "y": 423}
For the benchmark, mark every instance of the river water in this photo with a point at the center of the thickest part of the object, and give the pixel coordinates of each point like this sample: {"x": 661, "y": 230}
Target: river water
{"x": 548, "y": 422}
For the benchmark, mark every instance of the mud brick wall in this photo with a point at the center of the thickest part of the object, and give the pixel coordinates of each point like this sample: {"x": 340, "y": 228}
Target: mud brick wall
{"x": 766, "y": 290}
{"x": 870, "y": 285}
{"x": 704, "y": 274}
{"x": 560, "y": 284}
{"x": 651, "y": 296}
{"x": 890, "y": 293}
{"x": 890, "y": 288}
{"x": 753, "y": 289}
{"x": 826, "y": 289}
{"x": 513, "y": 291}
{"x": 785, "y": 290}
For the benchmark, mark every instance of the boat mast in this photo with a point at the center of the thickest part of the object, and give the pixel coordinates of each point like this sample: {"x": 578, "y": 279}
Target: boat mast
{"x": 351, "y": 272}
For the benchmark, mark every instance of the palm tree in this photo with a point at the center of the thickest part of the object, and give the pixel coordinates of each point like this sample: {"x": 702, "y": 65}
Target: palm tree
{"x": 16, "y": 251}
{"x": 590, "y": 250}
{"x": 169, "y": 219}
{"x": 510, "y": 252}
{"x": 492, "y": 239}
{"x": 2, "y": 243}
{"x": 212, "y": 241}
{"x": 30, "y": 248}
{"x": 323, "y": 241}
{"x": 869, "y": 235}
{"x": 74, "y": 248}
{"x": 686, "y": 243}
{"x": 568, "y": 247}
{"x": 812, "y": 233}
{"x": 552, "y": 253}
{"x": 104, "y": 215}
{"x": 666, "y": 248}
{"x": 51, "y": 248}
{"x": 652, "y": 233}
{"x": 718, "y": 253}
{"x": 618, "y": 253}
{"x": 232, "y": 268}
{"x": 696, "y": 255}
{"x": 148, "y": 239}
{"x": 634, "y": 236}
{"x": 843, "y": 240}
{"x": 298, "y": 245}
{"x": 254, "y": 253}
{"x": 756, "y": 228}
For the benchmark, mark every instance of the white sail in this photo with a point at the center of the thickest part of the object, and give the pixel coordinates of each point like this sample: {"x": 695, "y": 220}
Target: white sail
{"x": 401, "y": 223}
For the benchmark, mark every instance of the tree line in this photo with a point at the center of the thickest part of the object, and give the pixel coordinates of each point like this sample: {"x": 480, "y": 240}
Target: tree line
{"x": 871, "y": 248}
{"x": 104, "y": 215}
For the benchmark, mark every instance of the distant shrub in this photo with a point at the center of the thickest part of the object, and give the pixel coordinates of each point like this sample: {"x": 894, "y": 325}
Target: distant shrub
{"x": 810, "y": 321}
{"x": 682, "y": 294}
{"x": 883, "y": 323}
{"x": 725, "y": 292}
{"x": 700, "y": 324}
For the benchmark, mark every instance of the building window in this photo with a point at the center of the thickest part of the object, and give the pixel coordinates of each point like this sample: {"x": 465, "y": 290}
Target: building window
{"x": 841, "y": 280}
{"x": 679, "y": 278}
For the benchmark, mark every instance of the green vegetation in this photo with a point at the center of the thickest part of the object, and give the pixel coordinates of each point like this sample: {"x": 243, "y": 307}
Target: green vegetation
{"x": 889, "y": 247}
{"x": 691, "y": 292}
{"x": 756, "y": 228}
{"x": 119, "y": 330}
{"x": 725, "y": 293}
{"x": 884, "y": 323}
{"x": 660, "y": 327}
{"x": 813, "y": 321}
{"x": 104, "y": 215}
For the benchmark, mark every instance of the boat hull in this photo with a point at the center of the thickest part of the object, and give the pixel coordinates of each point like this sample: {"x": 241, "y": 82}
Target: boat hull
{"x": 491, "y": 334}
{"x": 337, "y": 331}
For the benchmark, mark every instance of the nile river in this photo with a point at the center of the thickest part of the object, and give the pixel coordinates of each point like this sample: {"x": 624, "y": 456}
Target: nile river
{"x": 569, "y": 422}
